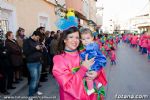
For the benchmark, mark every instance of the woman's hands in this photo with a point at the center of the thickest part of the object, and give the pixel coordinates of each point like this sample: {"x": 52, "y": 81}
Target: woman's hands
{"x": 87, "y": 63}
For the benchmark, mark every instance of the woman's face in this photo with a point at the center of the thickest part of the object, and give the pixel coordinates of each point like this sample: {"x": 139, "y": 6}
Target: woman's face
{"x": 22, "y": 32}
{"x": 42, "y": 30}
{"x": 72, "y": 41}
{"x": 11, "y": 36}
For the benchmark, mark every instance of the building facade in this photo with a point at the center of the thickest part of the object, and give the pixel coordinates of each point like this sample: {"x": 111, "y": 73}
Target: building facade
{"x": 28, "y": 14}
{"x": 93, "y": 10}
{"x": 141, "y": 22}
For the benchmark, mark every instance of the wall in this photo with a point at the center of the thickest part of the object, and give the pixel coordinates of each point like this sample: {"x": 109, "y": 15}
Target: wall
{"x": 29, "y": 11}
{"x": 92, "y": 10}
{"x": 75, "y": 4}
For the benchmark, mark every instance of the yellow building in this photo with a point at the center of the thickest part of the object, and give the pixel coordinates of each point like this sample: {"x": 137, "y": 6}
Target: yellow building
{"x": 28, "y": 14}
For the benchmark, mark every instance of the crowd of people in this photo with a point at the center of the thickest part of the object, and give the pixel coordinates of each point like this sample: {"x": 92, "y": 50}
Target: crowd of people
{"x": 108, "y": 45}
{"x": 23, "y": 56}
{"x": 32, "y": 56}
{"x": 140, "y": 41}
{"x": 75, "y": 56}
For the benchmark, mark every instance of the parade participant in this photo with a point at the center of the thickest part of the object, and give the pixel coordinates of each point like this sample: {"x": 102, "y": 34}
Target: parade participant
{"x": 134, "y": 40}
{"x": 67, "y": 69}
{"x": 92, "y": 49}
{"x": 144, "y": 42}
{"x": 102, "y": 48}
{"x": 112, "y": 56}
{"x": 148, "y": 48}
{"x": 140, "y": 43}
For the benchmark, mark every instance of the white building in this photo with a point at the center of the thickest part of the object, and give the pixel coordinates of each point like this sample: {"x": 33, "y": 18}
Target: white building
{"x": 86, "y": 8}
{"x": 141, "y": 22}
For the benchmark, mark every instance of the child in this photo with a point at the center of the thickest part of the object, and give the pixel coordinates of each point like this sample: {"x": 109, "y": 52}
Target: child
{"x": 92, "y": 49}
{"x": 102, "y": 48}
{"x": 113, "y": 56}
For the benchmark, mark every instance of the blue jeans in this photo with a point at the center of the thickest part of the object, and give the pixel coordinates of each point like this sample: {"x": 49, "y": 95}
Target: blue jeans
{"x": 35, "y": 71}
{"x": 148, "y": 56}
{"x": 144, "y": 50}
{"x": 113, "y": 62}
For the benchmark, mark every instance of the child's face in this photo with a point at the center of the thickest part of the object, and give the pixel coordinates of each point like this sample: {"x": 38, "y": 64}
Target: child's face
{"x": 86, "y": 39}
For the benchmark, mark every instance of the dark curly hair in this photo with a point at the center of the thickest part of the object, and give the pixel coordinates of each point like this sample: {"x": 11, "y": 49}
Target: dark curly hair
{"x": 63, "y": 36}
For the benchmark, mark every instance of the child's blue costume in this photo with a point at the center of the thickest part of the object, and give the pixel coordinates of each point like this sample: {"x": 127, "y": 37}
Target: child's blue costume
{"x": 92, "y": 50}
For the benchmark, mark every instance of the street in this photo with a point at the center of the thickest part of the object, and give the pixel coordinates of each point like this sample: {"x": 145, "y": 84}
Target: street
{"x": 131, "y": 74}
{"x": 129, "y": 77}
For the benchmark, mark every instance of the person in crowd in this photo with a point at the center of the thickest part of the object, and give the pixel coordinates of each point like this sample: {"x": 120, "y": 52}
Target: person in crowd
{"x": 20, "y": 38}
{"x": 66, "y": 63}
{"x": 58, "y": 33}
{"x": 92, "y": 49}
{"x": 140, "y": 43}
{"x": 46, "y": 52}
{"x": 49, "y": 39}
{"x": 6, "y": 71}
{"x": 47, "y": 35}
{"x": 148, "y": 48}
{"x": 45, "y": 65}
{"x": 32, "y": 49}
{"x": 144, "y": 42}
{"x": 41, "y": 29}
{"x": 48, "y": 44}
{"x": 15, "y": 55}
{"x": 134, "y": 40}
{"x": 113, "y": 56}
{"x": 53, "y": 49}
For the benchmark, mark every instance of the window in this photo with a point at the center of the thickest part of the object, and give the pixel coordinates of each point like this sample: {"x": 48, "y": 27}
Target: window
{"x": 43, "y": 21}
{"x": 4, "y": 25}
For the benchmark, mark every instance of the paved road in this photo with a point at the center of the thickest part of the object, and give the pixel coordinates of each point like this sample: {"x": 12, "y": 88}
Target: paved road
{"x": 49, "y": 90}
{"x": 131, "y": 75}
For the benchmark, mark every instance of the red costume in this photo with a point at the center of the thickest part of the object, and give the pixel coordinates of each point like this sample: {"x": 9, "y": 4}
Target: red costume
{"x": 71, "y": 83}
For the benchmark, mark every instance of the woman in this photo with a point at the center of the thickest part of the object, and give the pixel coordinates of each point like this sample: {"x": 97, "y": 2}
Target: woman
{"x": 20, "y": 36}
{"x": 15, "y": 55}
{"x": 67, "y": 69}
{"x": 5, "y": 74}
{"x": 53, "y": 49}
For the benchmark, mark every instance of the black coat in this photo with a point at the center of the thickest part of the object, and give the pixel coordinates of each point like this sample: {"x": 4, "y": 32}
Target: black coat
{"x": 4, "y": 59}
{"x": 15, "y": 52}
{"x": 30, "y": 51}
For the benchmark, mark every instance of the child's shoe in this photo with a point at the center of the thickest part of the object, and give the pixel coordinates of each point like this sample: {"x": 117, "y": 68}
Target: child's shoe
{"x": 99, "y": 85}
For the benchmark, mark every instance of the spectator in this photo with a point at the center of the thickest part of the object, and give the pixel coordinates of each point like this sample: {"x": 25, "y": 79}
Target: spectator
{"x": 15, "y": 55}
{"x": 33, "y": 52}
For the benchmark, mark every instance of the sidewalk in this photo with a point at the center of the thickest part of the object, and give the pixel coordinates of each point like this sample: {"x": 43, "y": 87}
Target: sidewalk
{"x": 19, "y": 87}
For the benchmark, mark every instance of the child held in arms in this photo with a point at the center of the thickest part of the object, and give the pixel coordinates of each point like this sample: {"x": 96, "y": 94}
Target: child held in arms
{"x": 91, "y": 49}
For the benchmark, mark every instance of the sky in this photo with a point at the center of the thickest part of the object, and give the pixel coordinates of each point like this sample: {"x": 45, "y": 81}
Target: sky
{"x": 123, "y": 9}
